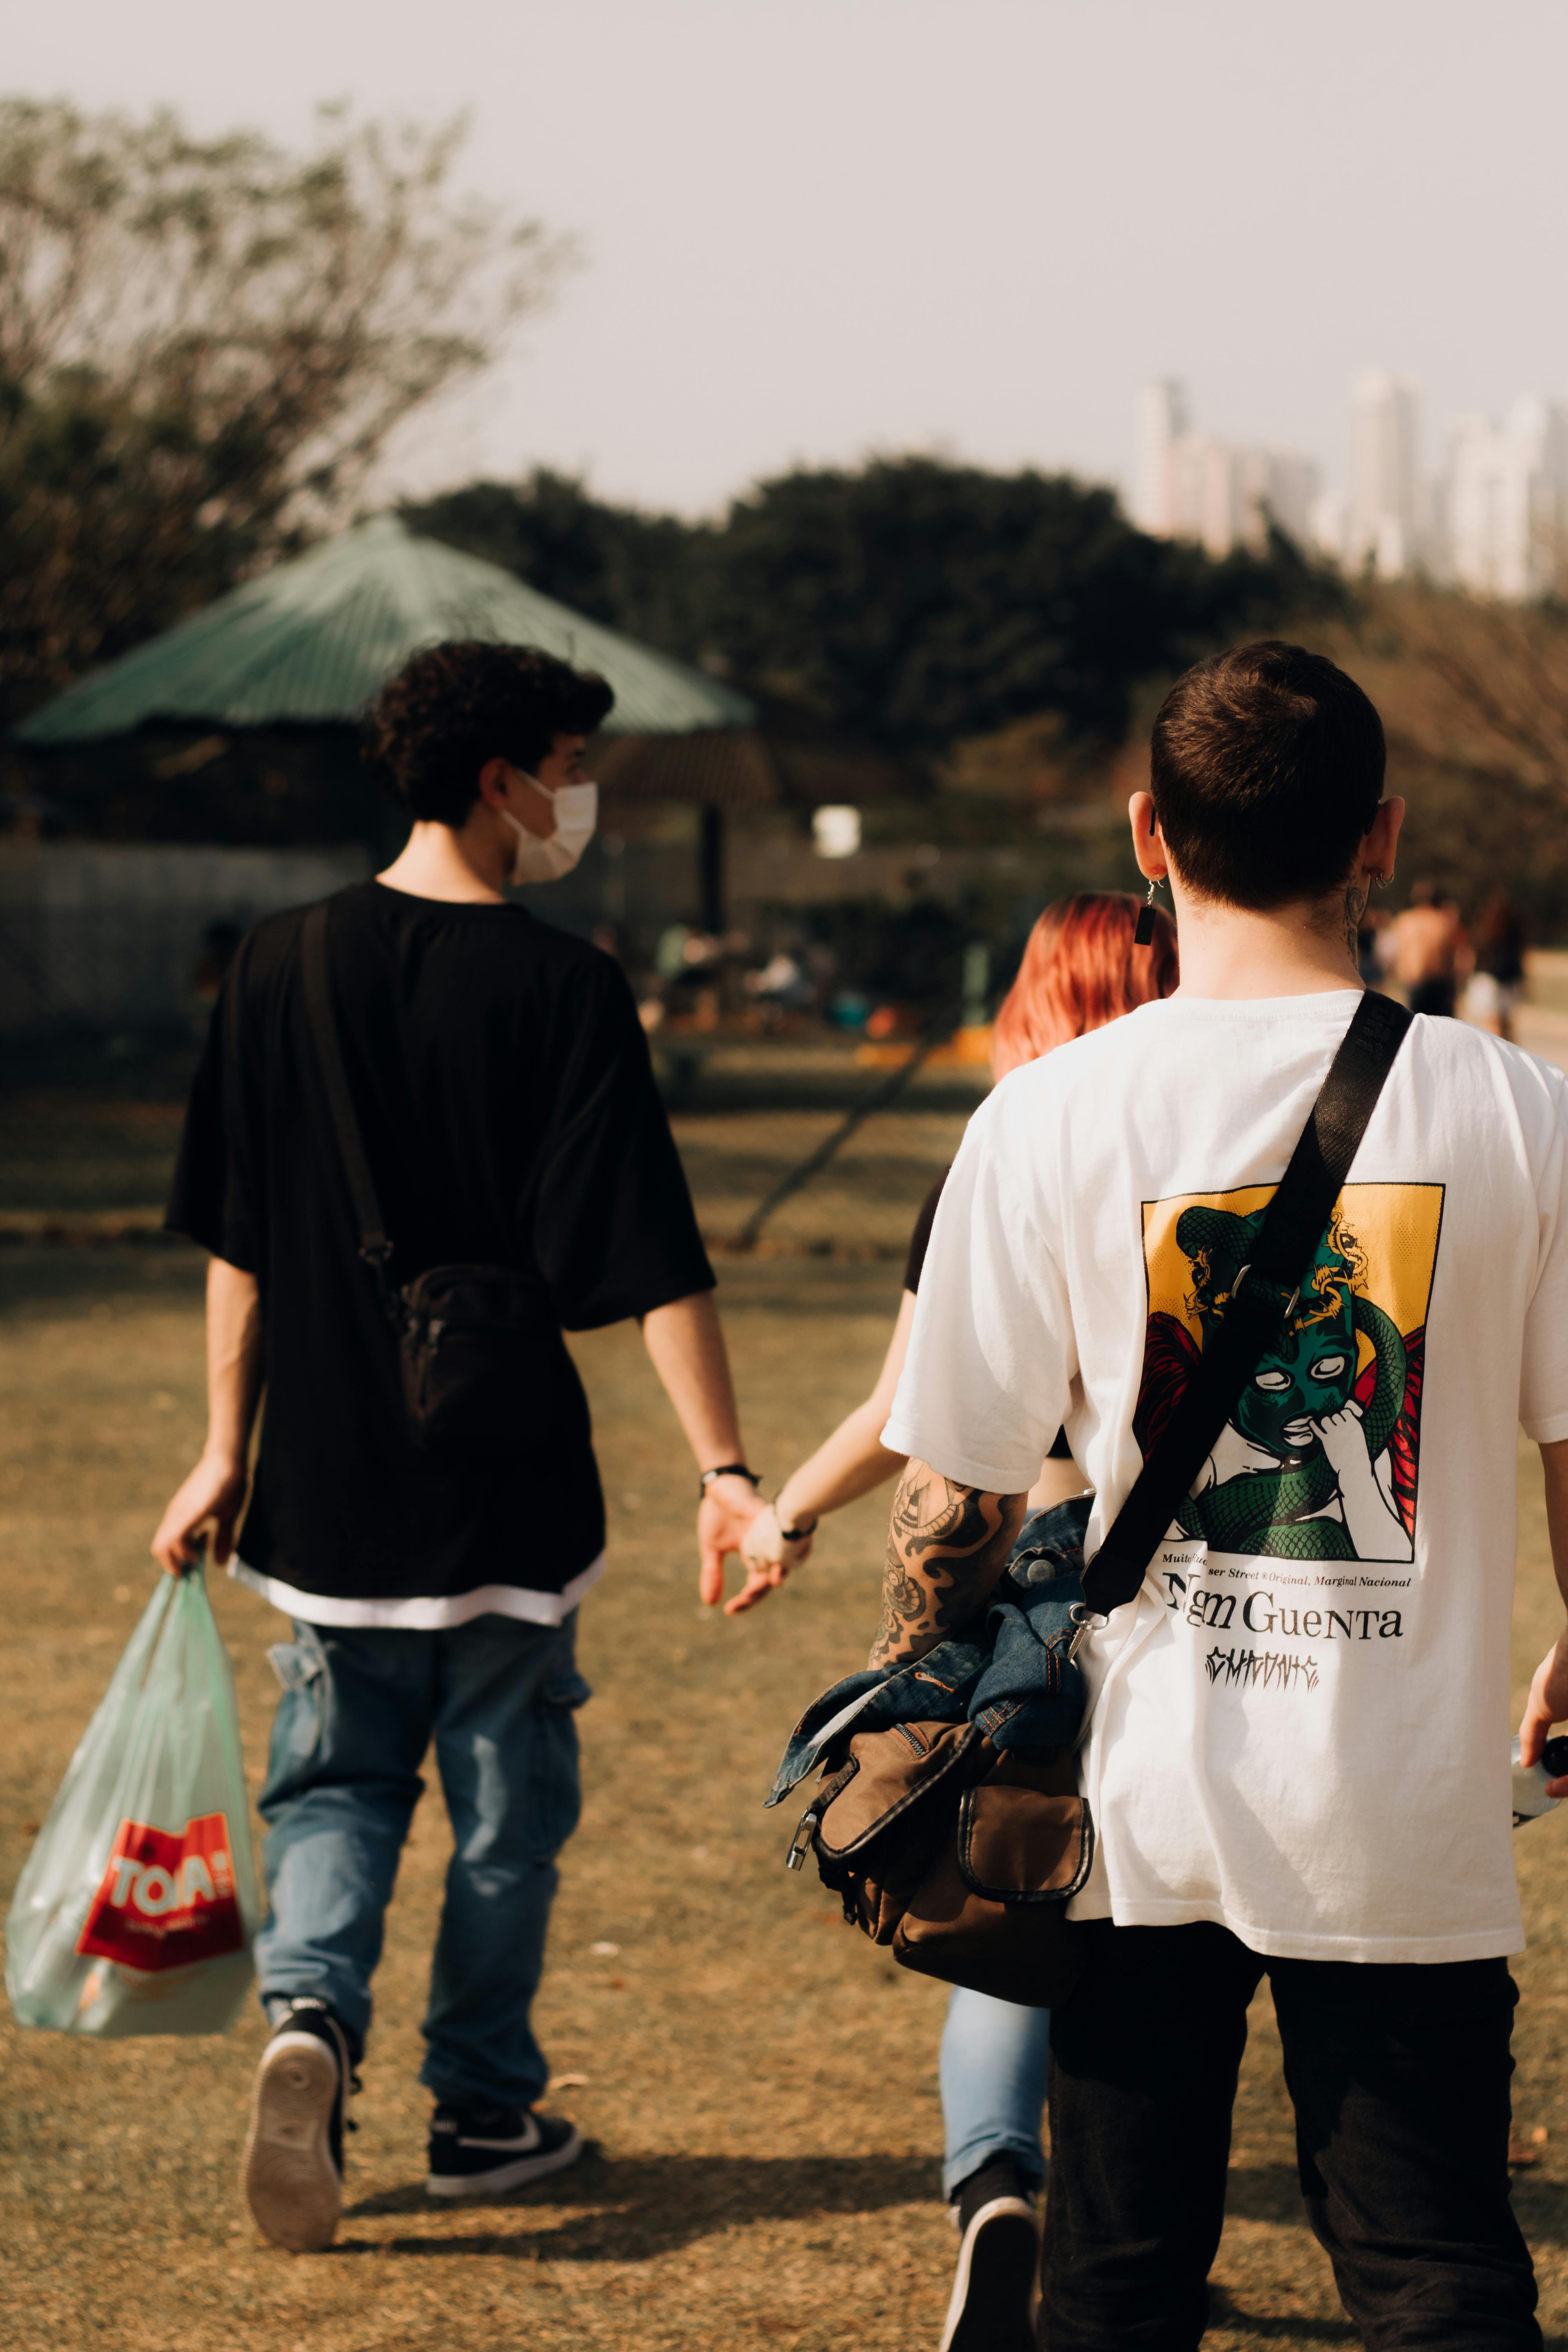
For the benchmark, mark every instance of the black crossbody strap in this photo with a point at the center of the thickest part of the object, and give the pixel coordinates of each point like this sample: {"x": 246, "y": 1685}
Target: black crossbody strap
{"x": 1264, "y": 1298}
{"x": 373, "y": 1246}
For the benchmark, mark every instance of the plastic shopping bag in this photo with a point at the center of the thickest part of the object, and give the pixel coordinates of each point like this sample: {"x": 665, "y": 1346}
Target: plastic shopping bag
{"x": 137, "y": 1908}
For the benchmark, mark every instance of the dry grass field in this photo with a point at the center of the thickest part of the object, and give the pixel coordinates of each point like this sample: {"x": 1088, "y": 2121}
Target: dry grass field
{"x": 758, "y": 2086}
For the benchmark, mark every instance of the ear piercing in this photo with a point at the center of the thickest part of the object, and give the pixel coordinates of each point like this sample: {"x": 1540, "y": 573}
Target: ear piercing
{"x": 1143, "y": 930}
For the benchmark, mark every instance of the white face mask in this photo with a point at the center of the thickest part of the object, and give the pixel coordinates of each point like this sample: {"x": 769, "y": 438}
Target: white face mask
{"x": 545, "y": 858}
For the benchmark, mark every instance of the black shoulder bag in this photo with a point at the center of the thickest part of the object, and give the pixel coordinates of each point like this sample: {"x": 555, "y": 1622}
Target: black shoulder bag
{"x": 473, "y": 1341}
{"x": 961, "y": 1858}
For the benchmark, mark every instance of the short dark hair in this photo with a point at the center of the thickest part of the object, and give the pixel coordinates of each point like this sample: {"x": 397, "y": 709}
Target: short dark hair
{"x": 1266, "y": 772}
{"x": 453, "y": 707}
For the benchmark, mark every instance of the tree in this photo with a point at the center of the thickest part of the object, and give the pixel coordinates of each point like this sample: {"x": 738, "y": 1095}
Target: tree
{"x": 912, "y": 602}
{"x": 205, "y": 345}
{"x": 920, "y": 602}
{"x": 1473, "y": 694}
{"x": 640, "y": 572}
{"x": 1488, "y": 681}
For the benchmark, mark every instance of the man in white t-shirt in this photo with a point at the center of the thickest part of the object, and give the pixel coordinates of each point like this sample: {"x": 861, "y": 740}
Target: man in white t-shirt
{"x": 1297, "y": 1757}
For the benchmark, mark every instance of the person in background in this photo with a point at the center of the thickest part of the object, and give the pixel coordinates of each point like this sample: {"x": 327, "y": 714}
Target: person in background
{"x": 500, "y": 1079}
{"x": 1079, "y": 970}
{"x": 1499, "y": 976}
{"x": 1426, "y": 950}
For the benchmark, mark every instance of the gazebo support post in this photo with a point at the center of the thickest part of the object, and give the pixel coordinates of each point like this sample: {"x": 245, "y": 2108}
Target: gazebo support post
{"x": 710, "y": 870}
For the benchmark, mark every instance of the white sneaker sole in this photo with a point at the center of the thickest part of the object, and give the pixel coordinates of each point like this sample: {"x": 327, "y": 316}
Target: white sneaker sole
{"x": 288, "y": 2179}
{"x": 516, "y": 2175}
{"x": 995, "y": 2289}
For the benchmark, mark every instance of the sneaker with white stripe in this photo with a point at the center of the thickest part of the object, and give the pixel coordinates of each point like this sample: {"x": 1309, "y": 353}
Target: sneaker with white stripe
{"x": 292, "y": 2172}
{"x": 478, "y": 2151}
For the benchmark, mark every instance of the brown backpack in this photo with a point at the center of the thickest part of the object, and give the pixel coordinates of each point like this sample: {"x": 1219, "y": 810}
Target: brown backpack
{"x": 959, "y": 1858}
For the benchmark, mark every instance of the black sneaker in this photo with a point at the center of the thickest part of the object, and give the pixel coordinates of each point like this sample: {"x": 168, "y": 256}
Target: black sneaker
{"x": 292, "y": 2172}
{"x": 484, "y": 2151}
{"x": 996, "y": 2287}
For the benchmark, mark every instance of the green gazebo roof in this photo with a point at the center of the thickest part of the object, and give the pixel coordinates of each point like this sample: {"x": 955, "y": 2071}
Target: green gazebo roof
{"x": 312, "y": 641}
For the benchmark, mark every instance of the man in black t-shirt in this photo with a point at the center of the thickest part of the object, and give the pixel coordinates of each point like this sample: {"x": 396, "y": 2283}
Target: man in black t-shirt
{"x": 500, "y": 1084}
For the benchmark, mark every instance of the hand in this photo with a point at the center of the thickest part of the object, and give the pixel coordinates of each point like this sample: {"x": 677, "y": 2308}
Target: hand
{"x": 1547, "y": 1705}
{"x": 723, "y": 1517}
{"x": 767, "y": 1546}
{"x": 211, "y": 1497}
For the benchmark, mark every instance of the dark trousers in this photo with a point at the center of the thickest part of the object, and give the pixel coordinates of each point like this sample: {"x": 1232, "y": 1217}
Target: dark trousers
{"x": 1399, "y": 2077}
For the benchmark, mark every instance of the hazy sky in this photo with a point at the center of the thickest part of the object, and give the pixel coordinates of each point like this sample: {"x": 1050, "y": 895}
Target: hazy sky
{"x": 817, "y": 228}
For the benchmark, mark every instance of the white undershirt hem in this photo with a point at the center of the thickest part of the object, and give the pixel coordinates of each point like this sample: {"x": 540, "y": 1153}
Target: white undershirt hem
{"x": 429, "y": 1613}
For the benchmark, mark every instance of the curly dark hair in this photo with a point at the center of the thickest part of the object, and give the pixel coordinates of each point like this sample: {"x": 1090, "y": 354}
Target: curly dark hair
{"x": 432, "y": 728}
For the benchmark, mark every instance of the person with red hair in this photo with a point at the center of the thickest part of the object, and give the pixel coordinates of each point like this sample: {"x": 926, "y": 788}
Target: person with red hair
{"x": 1080, "y": 968}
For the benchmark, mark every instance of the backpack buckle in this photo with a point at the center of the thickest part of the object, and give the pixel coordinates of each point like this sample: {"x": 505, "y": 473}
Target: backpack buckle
{"x": 805, "y": 1830}
{"x": 1085, "y": 1622}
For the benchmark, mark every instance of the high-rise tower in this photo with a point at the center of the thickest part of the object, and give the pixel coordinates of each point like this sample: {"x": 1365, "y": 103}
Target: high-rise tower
{"x": 1163, "y": 421}
{"x": 1383, "y": 522}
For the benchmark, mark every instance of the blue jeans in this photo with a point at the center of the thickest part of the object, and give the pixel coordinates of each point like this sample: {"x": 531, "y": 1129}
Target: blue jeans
{"x": 360, "y": 1707}
{"x": 993, "y": 2056}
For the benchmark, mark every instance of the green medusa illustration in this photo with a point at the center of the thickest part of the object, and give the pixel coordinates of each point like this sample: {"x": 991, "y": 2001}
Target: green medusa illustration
{"x": 1318, "y": 1461}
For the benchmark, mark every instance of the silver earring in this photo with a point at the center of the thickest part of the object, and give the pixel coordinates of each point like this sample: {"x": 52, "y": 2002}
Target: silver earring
{"x": 1143, "y": 930}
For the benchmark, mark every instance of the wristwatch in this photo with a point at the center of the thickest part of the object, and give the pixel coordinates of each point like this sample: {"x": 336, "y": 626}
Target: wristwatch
{"x": 730, "y": 1470}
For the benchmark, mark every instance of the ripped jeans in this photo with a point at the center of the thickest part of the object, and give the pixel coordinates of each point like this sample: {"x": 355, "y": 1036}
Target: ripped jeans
{"x": 360, "y": 1707}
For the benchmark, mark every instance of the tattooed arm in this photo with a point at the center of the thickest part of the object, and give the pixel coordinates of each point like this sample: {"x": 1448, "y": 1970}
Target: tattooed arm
{"x": 947, "y": 1546}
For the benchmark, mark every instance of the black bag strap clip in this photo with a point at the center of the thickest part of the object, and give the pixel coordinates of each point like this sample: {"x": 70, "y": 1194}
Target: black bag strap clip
{"x": 1264, "y": 1296}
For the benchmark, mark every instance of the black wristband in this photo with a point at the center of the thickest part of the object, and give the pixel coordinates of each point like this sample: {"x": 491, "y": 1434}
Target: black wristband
{"x": 730, "y": 1470}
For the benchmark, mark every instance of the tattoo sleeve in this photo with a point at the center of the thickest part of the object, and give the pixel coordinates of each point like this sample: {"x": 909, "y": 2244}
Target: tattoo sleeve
{"x": 947, "y": 1546}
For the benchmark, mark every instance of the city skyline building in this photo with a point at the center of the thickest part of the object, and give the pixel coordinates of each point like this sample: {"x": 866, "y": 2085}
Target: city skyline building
{"x": 1223, "y": 494}
{"x": 1492, "y": 519}
{"x": 1163, "y": 421}
{"x": 1504, "y": 501}
{"x": 1385, "y": 510}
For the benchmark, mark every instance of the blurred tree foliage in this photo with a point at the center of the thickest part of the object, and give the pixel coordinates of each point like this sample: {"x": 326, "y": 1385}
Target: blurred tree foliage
{"x": 923, "y": 602}
{"x": 205, "y": 345}
{"x": 913, "y": 602}
{"x": 645, "y": 573}
{"x": 1474, "y": 700}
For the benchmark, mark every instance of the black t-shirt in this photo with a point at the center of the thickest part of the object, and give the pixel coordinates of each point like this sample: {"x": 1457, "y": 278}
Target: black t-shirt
{"x": 509, "y": 1114}
{"x": 920, "y": 1241}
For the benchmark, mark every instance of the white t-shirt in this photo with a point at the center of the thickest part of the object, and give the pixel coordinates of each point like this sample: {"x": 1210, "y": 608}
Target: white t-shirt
{"x": 1300, "y": 1728}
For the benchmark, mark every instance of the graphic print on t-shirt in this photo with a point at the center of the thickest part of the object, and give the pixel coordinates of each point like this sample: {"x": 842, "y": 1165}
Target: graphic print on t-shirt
{"x": 1320, "y": 1459}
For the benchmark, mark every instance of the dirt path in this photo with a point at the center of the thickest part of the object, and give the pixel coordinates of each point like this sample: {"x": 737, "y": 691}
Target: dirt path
{"x": 760, "y": 2085}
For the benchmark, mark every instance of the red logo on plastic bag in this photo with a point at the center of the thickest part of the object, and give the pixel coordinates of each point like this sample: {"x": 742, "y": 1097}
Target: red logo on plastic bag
{"x": 167, "y": 1897}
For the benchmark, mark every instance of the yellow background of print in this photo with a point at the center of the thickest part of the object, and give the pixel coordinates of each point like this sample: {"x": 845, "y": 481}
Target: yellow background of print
{"x": 1395, "y": 1224}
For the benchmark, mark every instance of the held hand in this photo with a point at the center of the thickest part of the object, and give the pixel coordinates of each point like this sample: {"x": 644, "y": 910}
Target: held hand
{"x": 723, "y": 1517}
{"x": 211, "y": 1497}
{"x": 766, "y": 1545}
{"x": 1547, "y": 1705}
